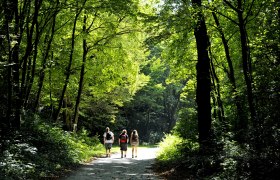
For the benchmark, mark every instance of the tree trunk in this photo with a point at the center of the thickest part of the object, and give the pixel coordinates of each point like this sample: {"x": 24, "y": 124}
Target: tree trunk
{"x": 203, "y": 79}
{"x": 32, "y": 66}
{"x": 44, "y": 61}
{"x": 241, "y": 120}
{"x": 217, "y": 97}
{"x": 246, "y": 60}
{"x": 7, "y": 121}
{"x": 68, "y": 69}
{"x": 16, "y": 67}
{"x": 81, "y": 82}
{"x": 28, "y": 71}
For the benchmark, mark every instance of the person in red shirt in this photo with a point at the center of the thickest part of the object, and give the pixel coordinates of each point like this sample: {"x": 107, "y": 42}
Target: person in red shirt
{"x": 123, "y": 140}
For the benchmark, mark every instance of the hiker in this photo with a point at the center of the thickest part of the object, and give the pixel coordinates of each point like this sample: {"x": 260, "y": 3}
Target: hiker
{"x": 108, "y": 139}
{"x": 123, "y": 140}
{"x": 134, "y": 141}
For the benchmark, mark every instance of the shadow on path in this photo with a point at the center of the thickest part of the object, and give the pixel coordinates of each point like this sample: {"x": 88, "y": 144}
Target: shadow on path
{"x": 118, "y": 168}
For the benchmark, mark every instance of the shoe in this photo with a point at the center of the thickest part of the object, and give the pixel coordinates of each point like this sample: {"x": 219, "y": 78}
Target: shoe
{"x": 133, "y": 156}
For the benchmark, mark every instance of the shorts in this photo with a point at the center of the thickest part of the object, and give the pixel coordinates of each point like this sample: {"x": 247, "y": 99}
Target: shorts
{"x": 123, "y": 146}
{"x": 108, "y": 145}
{"x": 134, "y": 143}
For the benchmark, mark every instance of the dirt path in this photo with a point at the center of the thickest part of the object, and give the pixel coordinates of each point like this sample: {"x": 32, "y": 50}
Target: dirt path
{"x": 119, "y": 168}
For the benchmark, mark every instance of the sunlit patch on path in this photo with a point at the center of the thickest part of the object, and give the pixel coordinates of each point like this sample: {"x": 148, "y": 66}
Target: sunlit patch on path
{"x": 119, "y": 168}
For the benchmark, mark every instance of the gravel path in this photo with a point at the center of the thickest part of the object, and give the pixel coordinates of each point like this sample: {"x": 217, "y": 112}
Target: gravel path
{"x": 119, "y": 168}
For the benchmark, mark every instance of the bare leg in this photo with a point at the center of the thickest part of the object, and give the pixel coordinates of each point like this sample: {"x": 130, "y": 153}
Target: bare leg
{"x": 106, "y": 151}
{"x": 133, "y": 151}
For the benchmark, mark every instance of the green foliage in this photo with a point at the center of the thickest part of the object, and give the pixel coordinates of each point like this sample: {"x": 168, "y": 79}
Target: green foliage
{"x": 172, "y": 147}
{"x": 44, "y": 150}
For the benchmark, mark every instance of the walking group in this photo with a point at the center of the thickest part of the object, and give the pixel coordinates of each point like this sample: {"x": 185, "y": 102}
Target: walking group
{"x": 123, "y": 141}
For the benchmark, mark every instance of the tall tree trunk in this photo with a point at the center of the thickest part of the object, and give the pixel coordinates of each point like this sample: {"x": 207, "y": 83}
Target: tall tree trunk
{"x": 203, "y": 79}
{"x": 68, "y": 69}
{"x": 246, "y": 60}
{"x": 32, "y": 65}
{"x": 8, "y": 18}
{"x": 44, "y": 61}
{"x": 16, "y": 67}
{"x": 217, "y": 96}
{"x": 25, "y": 75}
{"x": 81, "y": 82}
{"x": 241, "y": 120}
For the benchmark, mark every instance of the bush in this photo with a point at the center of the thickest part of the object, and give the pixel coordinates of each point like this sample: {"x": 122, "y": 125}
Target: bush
{"x": 43, "y": 150}
{"x": 173, "y": 147}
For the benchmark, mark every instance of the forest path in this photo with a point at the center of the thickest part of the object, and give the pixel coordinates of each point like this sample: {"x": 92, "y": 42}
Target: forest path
{"x": 119, "y": 168}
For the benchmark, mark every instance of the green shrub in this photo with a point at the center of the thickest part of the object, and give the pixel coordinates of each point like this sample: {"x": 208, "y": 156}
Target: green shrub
{"x": 173, "y": 147}
{"x": 41, "y": 150}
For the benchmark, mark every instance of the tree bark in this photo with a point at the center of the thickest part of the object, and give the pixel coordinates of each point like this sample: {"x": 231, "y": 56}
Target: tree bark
{"x": 25, "y": 76}
{"x": 217, "y": 97}
{"x": 68, "y": 69}
{"x": 246, "y": 60}
{"x": 44, "y": 61}
{"x": 203, "y": 78}
{"x": 241, "y": 120}
{"x": 16, "y": 67}
{"x": 82, "y": 73}
{"x": 8, "y": 18}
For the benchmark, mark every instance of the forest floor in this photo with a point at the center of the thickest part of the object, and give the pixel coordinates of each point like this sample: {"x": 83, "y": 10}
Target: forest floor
{"x": 117, "y": 168}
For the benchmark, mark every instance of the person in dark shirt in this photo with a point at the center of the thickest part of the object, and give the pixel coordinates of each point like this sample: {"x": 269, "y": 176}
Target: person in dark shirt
{"x": 123, "y": 140}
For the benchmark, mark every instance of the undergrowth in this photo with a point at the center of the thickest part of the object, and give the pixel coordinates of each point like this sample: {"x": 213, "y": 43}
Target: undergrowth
{"x": 181, "y": 159}
{"x": 43, "y": 150}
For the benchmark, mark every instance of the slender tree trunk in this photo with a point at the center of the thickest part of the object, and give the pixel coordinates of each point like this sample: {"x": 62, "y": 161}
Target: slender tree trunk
{"x": 81, "y": 82}
{"x": 68, "y": 69}
{"x": 241, "y": 121}
{"x": 32, "y": 65}
{"x": 16, "y": 67}
{"x": 246, "y": 60}
{"x": 203, "y": 79}
{"x": 25, "y": 76}
{"x": 50, "y": 85}
{"x": 44, "y": 61}
{"x": 8, "y": 18}
{"x": 217, "y": 96}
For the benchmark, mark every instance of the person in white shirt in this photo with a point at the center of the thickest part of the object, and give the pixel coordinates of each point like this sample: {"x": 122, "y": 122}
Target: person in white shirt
{"x": 108, "y": 139}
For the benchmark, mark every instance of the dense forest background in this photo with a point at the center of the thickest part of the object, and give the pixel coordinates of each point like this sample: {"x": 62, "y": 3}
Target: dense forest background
{"x": 200, "y": 77}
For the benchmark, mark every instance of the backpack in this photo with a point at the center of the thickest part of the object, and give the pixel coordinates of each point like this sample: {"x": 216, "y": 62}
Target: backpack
{"x": 123, "y": 138}
{"x": 108, "y": 136}
{"x": 134, "y": 137}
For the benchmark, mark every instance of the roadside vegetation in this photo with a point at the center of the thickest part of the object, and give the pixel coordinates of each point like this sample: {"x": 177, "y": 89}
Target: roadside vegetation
{"x": 44, "y": 150}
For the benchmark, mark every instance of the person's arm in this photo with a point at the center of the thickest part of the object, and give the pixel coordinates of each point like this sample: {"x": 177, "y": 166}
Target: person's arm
{"x": 127, "y": 139}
